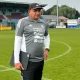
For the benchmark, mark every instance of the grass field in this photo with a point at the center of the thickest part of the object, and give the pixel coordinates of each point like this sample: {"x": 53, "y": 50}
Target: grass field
{"x": 64, "y": 56}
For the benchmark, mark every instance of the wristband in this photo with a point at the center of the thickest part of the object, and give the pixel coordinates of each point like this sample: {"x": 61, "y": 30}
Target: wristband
{"x": 47, "y": 49}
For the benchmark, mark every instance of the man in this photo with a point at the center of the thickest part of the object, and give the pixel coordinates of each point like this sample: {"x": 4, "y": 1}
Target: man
{"x": 30, "y": 38}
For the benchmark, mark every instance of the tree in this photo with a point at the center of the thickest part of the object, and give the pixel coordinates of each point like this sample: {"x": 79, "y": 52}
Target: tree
{"x": 63, "y": 10}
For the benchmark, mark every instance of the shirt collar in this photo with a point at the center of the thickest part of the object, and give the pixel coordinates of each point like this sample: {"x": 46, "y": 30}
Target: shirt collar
{"x": 39, "y": 20}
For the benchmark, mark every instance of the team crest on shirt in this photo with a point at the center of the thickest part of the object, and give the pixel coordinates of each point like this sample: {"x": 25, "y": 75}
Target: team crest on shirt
{"x": 30, "y": 25}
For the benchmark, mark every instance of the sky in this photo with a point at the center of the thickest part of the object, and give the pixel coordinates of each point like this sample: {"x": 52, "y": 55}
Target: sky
{"x": 71, "y": 3}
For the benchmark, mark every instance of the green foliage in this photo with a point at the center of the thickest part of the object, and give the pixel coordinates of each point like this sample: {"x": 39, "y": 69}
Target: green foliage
{"x": 63, "y": 10}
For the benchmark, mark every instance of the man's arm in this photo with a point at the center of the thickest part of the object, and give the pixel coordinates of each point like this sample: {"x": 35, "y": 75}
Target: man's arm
{"x": 17, "y": 44}
{"x": 47, "y": 44}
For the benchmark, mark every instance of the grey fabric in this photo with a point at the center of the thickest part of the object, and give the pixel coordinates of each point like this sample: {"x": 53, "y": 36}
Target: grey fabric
{"x": 19, "y": 28}
{"x": 34, "y": 32}
{"x": 24, "y": 58}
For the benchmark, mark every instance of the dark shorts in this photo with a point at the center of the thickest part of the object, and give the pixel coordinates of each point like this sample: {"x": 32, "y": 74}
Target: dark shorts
{"x": 34, "y": 71}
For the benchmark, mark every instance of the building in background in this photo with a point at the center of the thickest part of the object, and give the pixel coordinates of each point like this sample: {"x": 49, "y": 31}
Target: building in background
{"x": 72, "y": 23}
{"x": 11, "y": 12}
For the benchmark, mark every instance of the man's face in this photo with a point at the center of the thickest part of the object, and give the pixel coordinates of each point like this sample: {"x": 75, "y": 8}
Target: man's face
{"x": 34, "y": 13}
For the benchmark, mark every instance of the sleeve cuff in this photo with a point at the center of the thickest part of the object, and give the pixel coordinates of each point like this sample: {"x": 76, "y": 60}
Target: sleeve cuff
{"x": 47, "y": 49}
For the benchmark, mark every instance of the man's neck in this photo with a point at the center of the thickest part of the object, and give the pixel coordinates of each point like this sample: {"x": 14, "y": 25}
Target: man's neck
{"x": 33, "y": 19}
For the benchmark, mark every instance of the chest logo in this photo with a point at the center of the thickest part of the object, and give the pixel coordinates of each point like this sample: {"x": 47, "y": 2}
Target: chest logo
{"x": 30, "y": 25}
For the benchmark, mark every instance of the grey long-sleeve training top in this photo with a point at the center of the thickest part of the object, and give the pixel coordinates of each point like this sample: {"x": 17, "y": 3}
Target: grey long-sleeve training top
{"x": 30, "y": 37}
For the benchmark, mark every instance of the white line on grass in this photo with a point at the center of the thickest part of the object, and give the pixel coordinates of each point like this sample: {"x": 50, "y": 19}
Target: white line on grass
{"x": 10, "y": 69}
{"x": 13, "y": 69}
{"x": 69, "y": 49}
{"x": 6, "y": 68}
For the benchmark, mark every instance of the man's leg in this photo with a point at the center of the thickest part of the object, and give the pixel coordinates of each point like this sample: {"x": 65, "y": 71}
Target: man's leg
{"x": 34, "y": 71}
{"x": 38, "y": 71}
{"x": 29, "y": 73}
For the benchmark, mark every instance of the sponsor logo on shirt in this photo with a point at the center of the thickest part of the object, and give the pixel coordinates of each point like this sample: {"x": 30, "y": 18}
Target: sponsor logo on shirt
{"x": 38, "y": 35}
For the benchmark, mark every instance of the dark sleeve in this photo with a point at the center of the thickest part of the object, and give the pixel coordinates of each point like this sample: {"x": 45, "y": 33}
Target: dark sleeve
{"x": 46, "y": 29}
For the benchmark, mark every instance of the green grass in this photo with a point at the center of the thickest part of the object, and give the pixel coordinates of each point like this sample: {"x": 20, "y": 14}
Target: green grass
{"x": 66, "y": 67}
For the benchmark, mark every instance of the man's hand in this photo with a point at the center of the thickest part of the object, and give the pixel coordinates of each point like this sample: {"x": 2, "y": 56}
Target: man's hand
{"x": 46, "y": 54}
{"x": 19, "y": 66}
